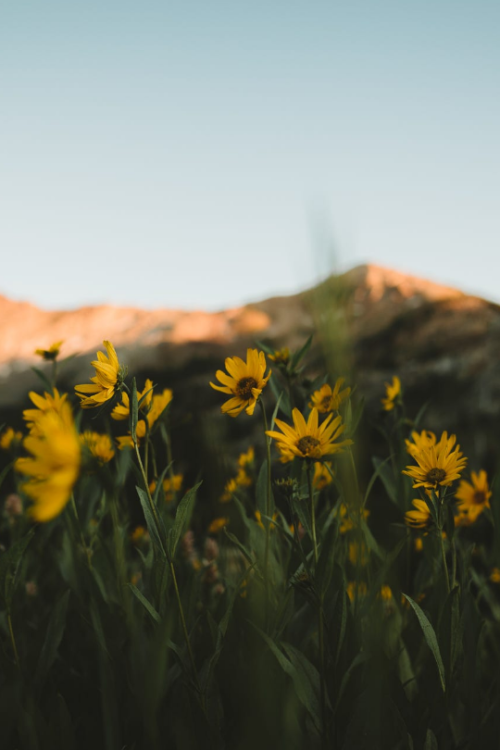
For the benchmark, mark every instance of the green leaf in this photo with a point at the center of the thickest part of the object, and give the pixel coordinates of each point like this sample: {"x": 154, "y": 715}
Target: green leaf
{"x": 301, "y": 353}
{"x": 46, "y": 382}
{"x": 386, "y": 478}
{"x": 281, "y": 395}
{"x": 182, "y": 519}
{"x": 261, "y": 491}
{"x": 378, "y": 471}
{"x": 66, "y": 731}
{"x": 154, "y": 531}
{"x": 303, "y": 691}
{"x": 134, "y": 410}
{"x": 431, "y": 741}
{"x": 430, "y": 637}
{"x": 359, "y": 659}
{"x": 265, "y": 348}
{"x": 145, "y": 603}
{"x": 9, "y": 565}
{"x": 144, "y": 397}
{"x": 326, "y": 559}
{"x": 240, "y": 546}
{"x": 53, "y": 638}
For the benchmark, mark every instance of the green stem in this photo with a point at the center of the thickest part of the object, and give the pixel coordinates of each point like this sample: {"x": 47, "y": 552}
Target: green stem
{"x": 321, "y": 634}
{"x": 268, "y": 505}
{"x": 80, "y": 531}
{"x": 12, "y": 639}
{"x": 154, "y": 511}
{"x": 445, "y": 567}
{"x": 170, "y": 461}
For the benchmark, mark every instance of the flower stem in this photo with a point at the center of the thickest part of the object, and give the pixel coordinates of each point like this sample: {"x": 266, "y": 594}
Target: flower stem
{"x": 80, "y": 531}
{"x": 268, "y": 505}
{"x": 321, "y": 635}
{"x": 164, "y": 545}
{"x": 12, "y": 639}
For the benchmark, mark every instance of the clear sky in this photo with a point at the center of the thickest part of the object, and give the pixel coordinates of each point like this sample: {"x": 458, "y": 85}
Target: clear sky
{"x": 197, "y": 153}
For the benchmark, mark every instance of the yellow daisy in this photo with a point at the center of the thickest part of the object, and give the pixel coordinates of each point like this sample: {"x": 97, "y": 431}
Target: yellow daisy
{"x": 246, "y": 459}
{"x": 495, "y": 575}
{"x": 356, "y": 590}
{"x": 100, "y": 446}
{"x": 424, "y": 439}
{"x": 322, "y": 477}
{"x": 438, "y": 465}
{"x": 107, "y": 381}
{"x": 122, "y": 410}
{"x": 51, "y": 353}
{"x": 392, "y": 394}
{"x": 217, "y": 524}
{"x": 327, "y": 399}
{"x": 48, "y": 402}
{"x": 54, "y": 465}
{"x": 347, "y": 521}
{"x": 10, "y": 438}
{"x": 420, "y": 518}
{"x": 244, "y": 383}
{"x": 280, "y": 356}
{"x": 309, "y": 440}
{"x": 258, "y": 518}
{"x": 158, "y": 406}
{"x": 170, "y": 487}
{"x": 474, "y": 496}
{"x": 358, "y": 553}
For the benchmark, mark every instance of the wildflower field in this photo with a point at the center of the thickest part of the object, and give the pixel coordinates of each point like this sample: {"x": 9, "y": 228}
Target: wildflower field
{"x": 320, "y": 599}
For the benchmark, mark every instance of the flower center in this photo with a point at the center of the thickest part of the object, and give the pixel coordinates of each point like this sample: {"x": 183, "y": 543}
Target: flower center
{"x": 435, "y": 476}
{"x": 244, "y": 388}
{"x": 326, "y": 403}
{"x": 307, "y": 445}
{"x": 479, "y": 498}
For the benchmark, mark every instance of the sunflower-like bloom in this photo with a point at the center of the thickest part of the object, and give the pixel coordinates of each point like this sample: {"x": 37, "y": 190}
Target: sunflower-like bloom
{"x": 244, "y": 383}
{"x": 10, "y": 438}
{"x": 495, "y": 575}
{"x": 309, "y": 440}
{"x": 329, "y": 399}
{"x": 106, "y": 382}
{"x": 122, "y": 410}
{"x": 48, "y": 402}
{"x": 346, "y": 519}
{"x": 170, "y": 487}
{"x": 246, "y": 459}
{"x": 358, "y": 553}
{"x": 474, "y": 496}
{"x": 424, "y": 439}
{"x": 280, "y": 356}
{"x": 50, "y": 354}
{"x": 438, "y": 465}
{"x": 420, "y": 518}
{"x": 258, "y": 518}
{"x": 392, "y": 394}
{"x": 322, "y": 477}
{"x": 158, "y": 405}
{"x": 100, "y": 446}
{"x": 356, "y": 590}
{"x": 217, "y": 524}
{"x": 55, "y": 463}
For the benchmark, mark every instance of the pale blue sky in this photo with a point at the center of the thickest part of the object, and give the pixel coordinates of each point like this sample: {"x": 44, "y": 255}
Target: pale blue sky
{"x": 189, "y": 154}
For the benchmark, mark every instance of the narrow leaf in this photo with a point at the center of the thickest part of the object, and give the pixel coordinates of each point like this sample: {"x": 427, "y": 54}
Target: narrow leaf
{"x": 147, "y": 605}
{"x": 182, "y": 518}
{"x": 53, "y": 638}
{"x": 430, "y": 637}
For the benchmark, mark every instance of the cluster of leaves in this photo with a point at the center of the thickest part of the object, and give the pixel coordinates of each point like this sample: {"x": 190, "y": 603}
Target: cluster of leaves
{"x": 293, "y": 629}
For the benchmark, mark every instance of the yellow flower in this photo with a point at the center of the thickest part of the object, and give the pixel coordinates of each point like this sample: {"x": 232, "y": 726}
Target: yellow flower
{"x": 10, "y": 438}
{"x": 425, "y": 439}
{"x": 438, "y": 465}
{"x": 125, "y": 441}
{"x": 54, "y": 465}
{"x": 258, "y": 518}
{"x": 107, "y": 381}
{"x": 43, "y": 404}
{"x": 419, "y": 545}
{"x": 309, "y": 440}
{"x": 51, "y": 353}
{"x": 244, "y": 383}
{"x": 347, "y": 522}
{"x": 230, "y": 488}
{"x": 356, "y": 590}
{"x": 475, "y": 497}
{"x": 246, "y": 459}
{"x": 420, "y": 518}
{"x": 100, "y": 446}
{"x": 217, "y": 524}
{"x": 322, "y": 477}
{"x": 495, "y": 575}
{"x": 139, "y": 535}
{"x": 158, "y": 405}
{"x": 385, "y": 593}
{"x": 169, "y": 487}
{"x": 280, "y": 356}
{"x": 358, "y": 553}
{"x": 392, "y": 393}
{"x": 327, "y": 399}
{"x": 122, "y": 411}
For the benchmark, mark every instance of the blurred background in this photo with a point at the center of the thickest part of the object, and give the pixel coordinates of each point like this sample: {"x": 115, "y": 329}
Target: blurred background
{"x": 202, "y": 155}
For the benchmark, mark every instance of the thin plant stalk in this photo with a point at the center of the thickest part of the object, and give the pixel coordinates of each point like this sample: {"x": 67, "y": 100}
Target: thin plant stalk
{"x": 12, "y": 639}
{"x": 80, "y": 531}
{"x": 268, "y": 505}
